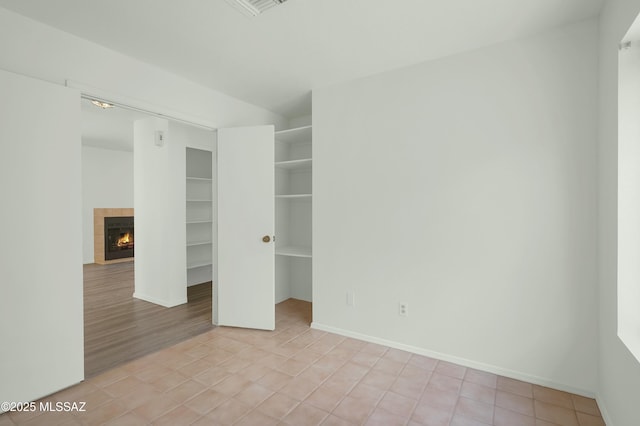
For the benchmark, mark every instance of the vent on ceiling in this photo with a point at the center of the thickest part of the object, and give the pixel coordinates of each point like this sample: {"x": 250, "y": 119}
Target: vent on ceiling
{"x": 254, "y": 7}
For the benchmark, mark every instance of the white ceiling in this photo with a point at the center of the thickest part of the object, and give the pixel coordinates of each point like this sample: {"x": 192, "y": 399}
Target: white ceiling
{"x": 276, "y": 59}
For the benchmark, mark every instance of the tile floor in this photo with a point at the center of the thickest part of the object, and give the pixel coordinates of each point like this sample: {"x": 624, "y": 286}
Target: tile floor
{"x": 299, "y": 376}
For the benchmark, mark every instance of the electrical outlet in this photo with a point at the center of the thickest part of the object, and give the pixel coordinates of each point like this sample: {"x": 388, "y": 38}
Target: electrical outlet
{"x": 403, "y": 309}
{"x": 350, "y": 298}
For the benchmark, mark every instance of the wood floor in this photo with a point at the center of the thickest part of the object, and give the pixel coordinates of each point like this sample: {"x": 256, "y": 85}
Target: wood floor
{"x": 119, "y": 328}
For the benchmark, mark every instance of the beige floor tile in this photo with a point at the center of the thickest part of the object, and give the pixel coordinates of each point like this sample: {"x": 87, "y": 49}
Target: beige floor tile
{"x": 397, "y": 355}
{"x": 305, "y": 414}
{"x": 275, "y": 380}
{"x": 330, "y": 362}
{"x": 122, "y": 386}
{"x": 254, "y": 418}
{"x": 353, "y": 410}
{"x": 589, "y": 420}
{"x": 389, "y": 366}
{"x": 180, "y": 415}
{"x": 127, "y": 419}
{"x": 540, "y": 422}
{"x": 459, "y": 420}
{"x": 156, "y": 407}
{"x": 278, "y": 405}
{"x": 234, "y": 365}
{"x": 381, "y": 417}
{"x": 5, "y": 420}
{"x": 339, "y": 385}
{"x": 425, "y": 414}
{"x": 186, "y": 391}
{"x": 324, "y": 399}
{"x": 298, "y": 376}
{"x": 292, "y": 367}
{"x": 513, "y": 402}
{"x": 379, "y": 379}
{"x": 474, "y": 410}
{"x": 552, "y": 396}
{"x": 555, "y": 414}
{"x": 443, "y": 400}
{"x": 298, "y": 388}
{"x": 367, "y": 393}
{"x": 503, "y": 417}
{"x": 211, "y": 376}
{"x": 481, "y": 378}
{"x": 332, "y": 420}
{"x": 450, "y": 369}
{"x": 228, "y": 412}
{"x": 109, "y": 377}
{"x": 194, "y": 367}
{"x": 586, "y": 405}
{"x": 103, "y": 413}
{"x": 254, "y": 394}
{"x": 169, "y": 381}
{"x": 352, "y": 370}
{"x": 153, "y": 373}
{"x": 231, "y": 385}
{"x": 423, "y": 362}
{"x": 478, "y": 392}
{"x": 414, "y": 372}
{"x": 517, "y": 387}
{"x": 364, "y": 358}
{"x": 444, "y": 383}
{"x": 374, "y": 348}
{"x": 206, "y": 401}
{"x": 397, "y": 404}
{"x": 138, "y": 395}
{"x": 306, "y": 356}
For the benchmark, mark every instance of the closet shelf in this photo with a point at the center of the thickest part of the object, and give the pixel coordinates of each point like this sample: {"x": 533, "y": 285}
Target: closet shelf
{"x": 191, "y": 222}
{"x": 303, "y": 163}
{"x": 198, "y": 200}
{"x": 199, "y": 179}
{"x": 294, "y": 251}
{"x": 196, "y": 265}
{"x": 291, "y": 196}
{"x": 199, "y": 243}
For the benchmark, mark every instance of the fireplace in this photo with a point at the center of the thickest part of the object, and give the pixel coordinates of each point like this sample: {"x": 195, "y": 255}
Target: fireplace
{"x": 118, "y": 237}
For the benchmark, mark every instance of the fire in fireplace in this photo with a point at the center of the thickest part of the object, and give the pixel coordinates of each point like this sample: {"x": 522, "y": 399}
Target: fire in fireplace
{"x": 118, "y": 237}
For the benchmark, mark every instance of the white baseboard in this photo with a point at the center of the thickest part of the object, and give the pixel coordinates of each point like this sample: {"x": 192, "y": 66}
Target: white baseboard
{"x": 603, "y": 410}
{"x": 166, "y": 304}
{"x": 457, "y": 360}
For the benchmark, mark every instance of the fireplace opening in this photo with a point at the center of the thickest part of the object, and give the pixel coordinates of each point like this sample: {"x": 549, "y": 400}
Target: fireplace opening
{"x": 118, "y": 237}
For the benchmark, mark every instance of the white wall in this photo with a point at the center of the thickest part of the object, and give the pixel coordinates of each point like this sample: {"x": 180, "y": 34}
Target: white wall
{"x": 159, "y": 203}
{"x": 107, "y": 182}
{"x": 41, "y": 334}
{"x": 619, "y": 371}
{"x": 466, "y": 188}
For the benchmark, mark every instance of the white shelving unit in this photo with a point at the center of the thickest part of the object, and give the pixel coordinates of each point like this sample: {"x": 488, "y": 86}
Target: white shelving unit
{"x": 199, "y": 216}
{"x": 293, "y": 184}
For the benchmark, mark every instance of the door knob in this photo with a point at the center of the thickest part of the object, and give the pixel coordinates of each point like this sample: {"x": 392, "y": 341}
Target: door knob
{"x": 266, "y": 239}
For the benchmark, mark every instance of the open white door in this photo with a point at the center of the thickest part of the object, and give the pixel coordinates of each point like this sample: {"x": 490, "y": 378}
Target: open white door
{"x": 246, "y": 223}
{"x": 41, "y": 318}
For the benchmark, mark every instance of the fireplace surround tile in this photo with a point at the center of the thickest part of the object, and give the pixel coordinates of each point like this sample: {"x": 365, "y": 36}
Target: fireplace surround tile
{"x": 98, "y": 232}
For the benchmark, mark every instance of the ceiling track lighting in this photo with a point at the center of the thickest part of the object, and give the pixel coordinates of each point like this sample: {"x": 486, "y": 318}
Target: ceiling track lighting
{"x": 101, "y": 104}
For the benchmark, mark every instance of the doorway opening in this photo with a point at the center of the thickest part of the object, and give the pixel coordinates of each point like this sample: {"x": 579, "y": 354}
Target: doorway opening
{"x": 117, "y": 326}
